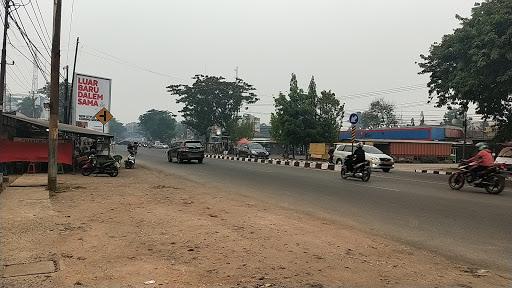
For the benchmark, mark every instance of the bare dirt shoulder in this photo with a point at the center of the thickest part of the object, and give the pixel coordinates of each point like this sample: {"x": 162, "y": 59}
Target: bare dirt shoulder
{"x": 147, "y": 225}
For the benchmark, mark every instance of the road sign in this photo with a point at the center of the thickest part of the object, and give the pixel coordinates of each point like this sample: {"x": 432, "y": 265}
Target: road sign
{"x": 353, "y": 119}
{"x": 104, "y": 116}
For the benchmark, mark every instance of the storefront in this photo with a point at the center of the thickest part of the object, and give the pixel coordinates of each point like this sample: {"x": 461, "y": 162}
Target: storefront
{"x": 24, "y": 140}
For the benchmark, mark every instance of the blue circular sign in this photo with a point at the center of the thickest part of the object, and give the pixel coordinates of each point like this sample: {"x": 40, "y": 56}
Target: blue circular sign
{"x": 353, "y": 118}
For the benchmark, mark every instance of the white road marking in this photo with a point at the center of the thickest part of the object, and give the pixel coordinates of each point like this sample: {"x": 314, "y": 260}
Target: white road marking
{"x": 377, "y": 187}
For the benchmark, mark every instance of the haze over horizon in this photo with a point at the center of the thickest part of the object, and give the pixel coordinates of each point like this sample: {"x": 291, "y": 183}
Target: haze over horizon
{"x": 350, "y": 47}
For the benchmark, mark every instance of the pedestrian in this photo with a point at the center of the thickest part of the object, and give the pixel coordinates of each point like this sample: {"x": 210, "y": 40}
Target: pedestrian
{"x": 331, "y": 153}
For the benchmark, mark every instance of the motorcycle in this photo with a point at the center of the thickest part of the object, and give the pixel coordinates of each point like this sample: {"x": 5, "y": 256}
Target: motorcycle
{"x": 130, "y": 162}
{"x": 93, "y": 166}
{"x": 491, "y": 179}
{"x": 361, "y": 171}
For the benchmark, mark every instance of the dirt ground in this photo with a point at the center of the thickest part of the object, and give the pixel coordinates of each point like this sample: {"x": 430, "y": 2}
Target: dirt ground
{"x": 146, "y": 225}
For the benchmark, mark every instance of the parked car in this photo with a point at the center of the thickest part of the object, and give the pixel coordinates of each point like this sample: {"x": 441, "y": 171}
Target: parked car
{"x": 505, "y": 157}
{"x": 252, "y": 150}
{"x": 186, "y": 151}
{"x": 377, "y": 158}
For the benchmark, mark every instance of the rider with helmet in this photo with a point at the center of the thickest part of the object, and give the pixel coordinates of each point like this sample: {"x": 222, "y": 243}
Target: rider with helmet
{"x": 482, "y": 161}
{"x": 357, "y": 156}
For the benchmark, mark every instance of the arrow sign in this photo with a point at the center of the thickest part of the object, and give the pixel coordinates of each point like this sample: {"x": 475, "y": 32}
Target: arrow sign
{"x": 104, "y": 116}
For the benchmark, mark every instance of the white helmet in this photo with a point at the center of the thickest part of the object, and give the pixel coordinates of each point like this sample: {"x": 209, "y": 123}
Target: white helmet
{"x": 360, "y": 145}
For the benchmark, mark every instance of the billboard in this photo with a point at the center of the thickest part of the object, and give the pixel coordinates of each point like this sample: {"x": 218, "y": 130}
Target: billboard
{"x": 90, "y": 95}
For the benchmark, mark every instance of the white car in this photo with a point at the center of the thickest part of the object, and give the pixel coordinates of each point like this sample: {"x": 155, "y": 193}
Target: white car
{"x": 505, "y": 157}
{"x": 377, "y": 158}
{"x": 159, "y": 145}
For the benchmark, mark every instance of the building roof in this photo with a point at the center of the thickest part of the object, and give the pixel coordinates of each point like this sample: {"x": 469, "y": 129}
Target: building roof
{"x": 62, "y": 126}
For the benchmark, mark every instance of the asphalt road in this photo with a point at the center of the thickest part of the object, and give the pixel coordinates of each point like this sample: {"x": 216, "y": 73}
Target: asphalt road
{"x": 418, "y": 209}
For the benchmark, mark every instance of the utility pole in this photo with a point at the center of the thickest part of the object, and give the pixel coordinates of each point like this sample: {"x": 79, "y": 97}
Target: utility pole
{"x": 35, "y": 72}
{"x": 236, "y": 72}
{"x": 66, "y": 96}
{"x": 70, "y": 97}
{"x": 54, "y": 99}
{"x": 465, "y": 123}
{"x": 4, "y": 60}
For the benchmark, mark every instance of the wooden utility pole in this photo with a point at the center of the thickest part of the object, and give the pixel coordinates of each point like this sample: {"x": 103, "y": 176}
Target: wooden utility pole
{"x": 54, "y": 99}
{"x": 4, "y": 60}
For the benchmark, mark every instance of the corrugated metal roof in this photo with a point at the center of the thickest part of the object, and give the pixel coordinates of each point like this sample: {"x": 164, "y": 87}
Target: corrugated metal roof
{"x": 62, "y": 127}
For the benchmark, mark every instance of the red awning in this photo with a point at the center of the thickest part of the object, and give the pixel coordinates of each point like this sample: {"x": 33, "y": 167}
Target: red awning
{"x": 33, "y": 152}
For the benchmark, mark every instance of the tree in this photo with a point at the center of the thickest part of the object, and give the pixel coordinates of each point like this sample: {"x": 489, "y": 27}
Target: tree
{"x": 330, "y": 115}
{"x": 212, "y": 100}
{"x": 242, "y": 129}
{"x": 28, "y": 108}
{"x": 474, "y": 64}
{"x": 301, "y": 118}
{"x": 62, "y": 97}
{"x": 117, "y": 129}
{"x": 453, "y": 117}
{"x": 379, "y": 114}
{"x": 422, "y": 118}
{"x": 158, "y": 125}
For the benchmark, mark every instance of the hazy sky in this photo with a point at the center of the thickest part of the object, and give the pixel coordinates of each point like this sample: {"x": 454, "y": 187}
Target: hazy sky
{"x": 351, "y": 47}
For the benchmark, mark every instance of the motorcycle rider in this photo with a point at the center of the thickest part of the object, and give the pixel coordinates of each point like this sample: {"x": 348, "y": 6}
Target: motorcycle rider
{"x": 357, "y": 157}
{"x": 482, "y": 161}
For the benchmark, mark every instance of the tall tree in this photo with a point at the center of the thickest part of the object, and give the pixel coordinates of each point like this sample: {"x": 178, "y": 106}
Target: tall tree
{"x": 474, "y": 64}
{"x": 330, "y": 115}
{"x": 158, "y": 125}
{"x": 379, "y": 114}
{"x": 422, "y": 118}
{"x": 117, "y": 129}
{"x": 301, "y": 118}
{"x": 212, "y": 100}
{"x": 28, "y": 108}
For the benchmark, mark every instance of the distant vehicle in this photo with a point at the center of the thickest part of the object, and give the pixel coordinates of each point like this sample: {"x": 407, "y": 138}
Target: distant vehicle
{"x": 186, "y": 151}
{"x": 160, "y": 145}
{"x": 377, "y": 158}
{"x": 252, "y": 150}
{"x": 505, "y": 157}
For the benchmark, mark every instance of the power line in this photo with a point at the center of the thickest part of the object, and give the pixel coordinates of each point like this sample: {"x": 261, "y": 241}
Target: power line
{"x": 26, "y": 38}
{"x": 385, "y": 91}
{"x": 43, "y": 72}
{"x": 43, "y": 42}
{"x": 17, "y": 79}
{"x": 42, "y": 18}
{"x": 124, "y": 62}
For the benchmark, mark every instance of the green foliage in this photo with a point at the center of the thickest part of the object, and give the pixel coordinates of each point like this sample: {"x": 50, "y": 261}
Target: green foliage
{"x": 212, "y": 100}
{"x": 158, "y": 125}
{"x": 117, "y": 129}
{"x": 379, "y": 114}
{"x": 62, "y": 96}
{"x": 242, "y": 129}
{"x": 330, "y": 115}
{"x": 474, "y": 64}
{"x": 454, "y": 114}
{"x": 302, "y": 118}
{"x": 28, "y": 108}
